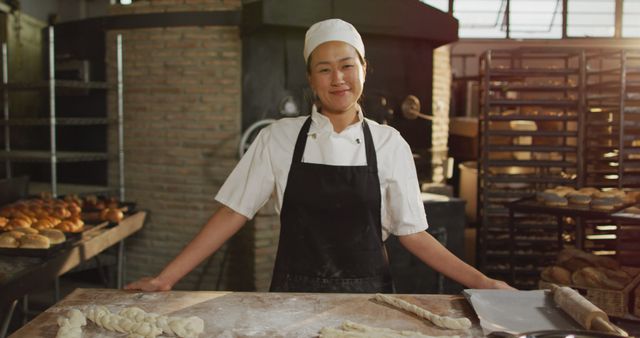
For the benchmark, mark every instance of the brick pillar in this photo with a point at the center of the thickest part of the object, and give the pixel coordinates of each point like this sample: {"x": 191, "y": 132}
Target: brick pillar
{"x": 182, "y": 127}
{"x": 441, "y": 97}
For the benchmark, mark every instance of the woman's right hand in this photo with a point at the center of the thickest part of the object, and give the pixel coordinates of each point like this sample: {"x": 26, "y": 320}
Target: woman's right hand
{"x": 148, "y": 284}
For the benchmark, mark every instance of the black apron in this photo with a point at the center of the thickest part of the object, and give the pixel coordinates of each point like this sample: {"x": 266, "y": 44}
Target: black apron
{"x": 330, "y": 235}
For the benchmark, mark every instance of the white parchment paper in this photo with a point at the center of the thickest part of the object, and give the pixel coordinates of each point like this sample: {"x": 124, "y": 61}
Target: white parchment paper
{"x": 518, "y": 311}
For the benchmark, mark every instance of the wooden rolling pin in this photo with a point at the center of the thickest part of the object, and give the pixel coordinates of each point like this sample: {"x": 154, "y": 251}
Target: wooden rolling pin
{"x": 583, "y": 311}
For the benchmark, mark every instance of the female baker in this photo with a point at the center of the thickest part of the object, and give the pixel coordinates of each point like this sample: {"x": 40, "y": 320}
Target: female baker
{"x": 343, "y": 184}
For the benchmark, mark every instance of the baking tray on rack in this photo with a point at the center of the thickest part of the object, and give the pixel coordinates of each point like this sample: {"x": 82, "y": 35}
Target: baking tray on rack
{"x": 530, "y": 204}
{"x": 49, "y": 252}
{"x": 71, "y": 239}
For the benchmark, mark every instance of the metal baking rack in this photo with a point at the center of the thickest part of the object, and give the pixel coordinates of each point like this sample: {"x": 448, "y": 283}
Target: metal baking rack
{"x": 53, "y": 88}
{"x": 530, "y": 113}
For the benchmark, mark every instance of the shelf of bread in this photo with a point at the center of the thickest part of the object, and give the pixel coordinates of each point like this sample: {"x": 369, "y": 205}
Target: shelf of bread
{"x": 46, "y": 224}
{"x": 602, "y": 280}
{"x": 60, "y": 121}
{"x": 45, "y": 156}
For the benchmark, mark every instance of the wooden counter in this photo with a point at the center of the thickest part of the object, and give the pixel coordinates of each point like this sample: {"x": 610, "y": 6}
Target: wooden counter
{"x": 246, "y": 314}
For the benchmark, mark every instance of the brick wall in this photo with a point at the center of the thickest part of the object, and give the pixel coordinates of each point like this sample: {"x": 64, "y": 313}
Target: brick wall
{"x": 440, "y": 106}
{"x": 182, "y": 126}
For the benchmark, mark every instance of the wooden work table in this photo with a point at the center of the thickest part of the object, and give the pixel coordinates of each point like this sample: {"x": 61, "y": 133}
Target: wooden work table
{"x": 21, "y": 275}
{"x": 247, "y": 314}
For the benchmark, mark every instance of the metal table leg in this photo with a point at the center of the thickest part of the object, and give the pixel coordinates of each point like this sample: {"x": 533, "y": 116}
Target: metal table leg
{"x": 120, "y": 272}
{"x": 6, "y": 318}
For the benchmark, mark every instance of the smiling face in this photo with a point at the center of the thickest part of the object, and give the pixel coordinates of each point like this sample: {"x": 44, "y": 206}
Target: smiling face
{"x": 336, "y": 75}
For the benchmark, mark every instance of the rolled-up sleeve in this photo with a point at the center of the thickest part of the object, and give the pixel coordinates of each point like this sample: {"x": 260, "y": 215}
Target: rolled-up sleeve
{"x": 252, "y": 181}
{"x": 405, "y": 209}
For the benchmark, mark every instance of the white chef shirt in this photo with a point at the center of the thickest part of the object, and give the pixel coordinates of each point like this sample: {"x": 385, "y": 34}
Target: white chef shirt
{"x": 265, "y": 167}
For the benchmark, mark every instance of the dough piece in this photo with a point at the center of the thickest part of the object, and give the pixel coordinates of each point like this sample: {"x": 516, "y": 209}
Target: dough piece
{"x": 354, "y": 330}
{"x": 71, "y": 324}
{"x": 441, "y": 321}
{"x": 176, "y": 326}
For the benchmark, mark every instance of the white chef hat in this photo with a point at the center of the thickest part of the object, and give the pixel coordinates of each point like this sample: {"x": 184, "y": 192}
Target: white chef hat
{"x": 331, "y": 30}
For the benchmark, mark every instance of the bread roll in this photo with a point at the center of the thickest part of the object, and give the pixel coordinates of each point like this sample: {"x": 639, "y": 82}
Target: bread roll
{"x": 619, "y": 276}
{"x": 55, "y": 236}
{"x": 114, "y": 215}
{"x": 61, "y": 213}
{"x": 574, "y": 264}
{"x": 26, "y": 230}
{"x": 578, "y": 278}
{"x": 13, "y": 233}
{"x": 8, "y": 242}
{"x": 33, "y": 241}
{"x": 42, "y": 224}
{"x": 66, "y": 226}
{"x": 589, "y": 191}
{"x": 18, "y": 223}
{"x": 556, "y": 274}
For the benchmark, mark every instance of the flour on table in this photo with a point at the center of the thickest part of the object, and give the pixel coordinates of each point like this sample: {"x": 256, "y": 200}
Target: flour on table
{"x": 355, "y": 330}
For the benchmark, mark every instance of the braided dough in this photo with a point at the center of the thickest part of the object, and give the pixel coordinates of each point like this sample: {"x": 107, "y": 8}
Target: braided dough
{"x": 355, "y": 330}
{"x": 102, "y": 317}
{"x": 71, "y": 324}
{"x": 187, "y": 327}
{"x": 441, "y": 321}
{"x": 140, "y": 324}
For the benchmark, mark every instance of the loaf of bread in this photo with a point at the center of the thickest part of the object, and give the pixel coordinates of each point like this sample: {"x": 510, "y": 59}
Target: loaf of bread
{"x": 574, "y": 264}
{"x": 591, "y": 259}
{"x": 556, "y": 274}
{"x": 34, "y": 241}
{"x": 619, "y": 276}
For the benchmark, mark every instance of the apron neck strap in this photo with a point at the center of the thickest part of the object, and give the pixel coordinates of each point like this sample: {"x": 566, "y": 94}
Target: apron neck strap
{"x": 301, "y": 142}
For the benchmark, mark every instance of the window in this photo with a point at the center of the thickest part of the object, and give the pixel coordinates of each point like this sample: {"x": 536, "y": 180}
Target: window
{"x": 442, "y": 5}
{"x": 539, "y": 19}
{"x": 591, "y": 18}
{"x": 631, "y": 19}
{"x": 481, "y": 18}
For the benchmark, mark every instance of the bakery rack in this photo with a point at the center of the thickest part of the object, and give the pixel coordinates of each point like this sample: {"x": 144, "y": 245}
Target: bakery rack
{"x": 529, "y": 137}
{"x": 54, "y": 156}
{"x": 554, "y": 117}
{"x": 612, "y": 151}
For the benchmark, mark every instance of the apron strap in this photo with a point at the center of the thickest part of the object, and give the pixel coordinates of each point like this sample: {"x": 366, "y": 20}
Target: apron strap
{"x": 372, "y": 159}
{"x": 301, "y": 143}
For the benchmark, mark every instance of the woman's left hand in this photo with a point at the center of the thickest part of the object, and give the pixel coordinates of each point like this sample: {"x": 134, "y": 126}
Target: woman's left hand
{"x": 489, "y": 283}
